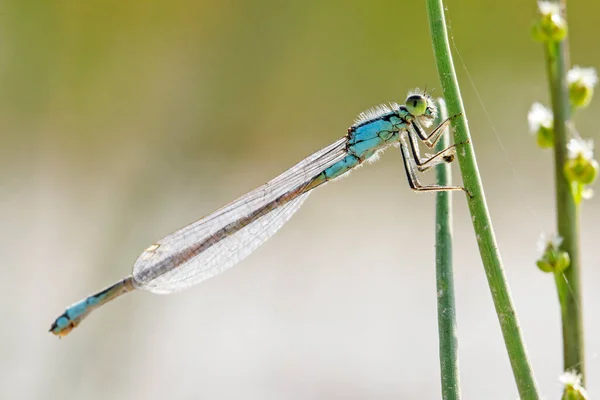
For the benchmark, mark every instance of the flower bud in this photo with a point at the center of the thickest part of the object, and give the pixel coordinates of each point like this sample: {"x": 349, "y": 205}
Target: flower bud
{"x": 541, "y": 124}
{"x": 573, "y": 389}
{"x": 551, "y": 26}
{"x": 552, "y": 259}
{"x": 545, "y": 137}
{"x": 581, "y": 167}
{"x": 581, "y": 83}
{"x": 581, "y": 170}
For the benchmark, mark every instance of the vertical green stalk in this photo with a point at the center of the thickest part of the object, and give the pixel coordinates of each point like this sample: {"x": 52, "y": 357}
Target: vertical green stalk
{"x": 479, "y": 213}
{"x": 568, "y": 283}
{"x": 448, "y": 342}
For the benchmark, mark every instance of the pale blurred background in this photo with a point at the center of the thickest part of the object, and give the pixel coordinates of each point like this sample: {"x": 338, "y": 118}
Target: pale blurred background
{"x": 123, "y": 121}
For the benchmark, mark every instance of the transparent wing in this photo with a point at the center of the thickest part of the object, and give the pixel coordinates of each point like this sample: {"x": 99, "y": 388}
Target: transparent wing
{"x": 218, "y": 241}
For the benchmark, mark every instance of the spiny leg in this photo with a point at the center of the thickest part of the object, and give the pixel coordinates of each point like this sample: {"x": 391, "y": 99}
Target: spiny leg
{"x": 435, "y": 135}
{"x": 446, "y": 155}
{"x": 410, "y": 167}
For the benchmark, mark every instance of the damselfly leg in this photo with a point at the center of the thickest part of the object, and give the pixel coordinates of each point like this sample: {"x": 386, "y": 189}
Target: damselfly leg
{"x": 443, "y": 156}
{"x": 435, "y": 135}
{"x": 413, "y": 162}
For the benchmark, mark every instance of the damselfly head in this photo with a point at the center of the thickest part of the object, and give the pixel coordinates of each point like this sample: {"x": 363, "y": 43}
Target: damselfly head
{"x": 421, "y": 107}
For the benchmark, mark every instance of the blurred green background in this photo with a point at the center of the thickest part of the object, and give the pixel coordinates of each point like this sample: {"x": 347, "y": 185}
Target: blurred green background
{"x": 122, "y": 121}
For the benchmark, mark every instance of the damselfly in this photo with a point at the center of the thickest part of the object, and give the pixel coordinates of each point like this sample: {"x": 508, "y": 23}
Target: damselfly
{"x": 220, "y": 240}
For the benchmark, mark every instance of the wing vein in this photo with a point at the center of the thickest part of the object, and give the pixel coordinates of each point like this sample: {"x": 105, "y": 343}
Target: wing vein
{"x": 218, "y": 241}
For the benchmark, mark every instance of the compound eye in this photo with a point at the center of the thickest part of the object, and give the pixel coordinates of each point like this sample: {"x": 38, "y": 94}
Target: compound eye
{"x": 416, "y": 104}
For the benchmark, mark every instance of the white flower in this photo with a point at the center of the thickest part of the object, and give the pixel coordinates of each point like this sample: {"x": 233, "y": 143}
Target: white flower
{"x": 583, "y": 147}
{"x": 585, "y": 76}
{"x": 548, "y": 7}
{"x": 572, "y": 380}
{"x": 539, "y": 116}
{"x": 548, "y": 239}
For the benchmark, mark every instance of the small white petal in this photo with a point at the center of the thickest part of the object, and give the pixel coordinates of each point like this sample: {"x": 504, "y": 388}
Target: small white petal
{"x": 570, "y": 378}
{"x": 547, "y": 7}
{"x": 547, "y": 239}
{"x": 573, "y": 380}
{"x": 587, "y": 76}
{"x": 587, "y": 193}
{"x": 583, "y": 147}
{"x": 539, "y": 116}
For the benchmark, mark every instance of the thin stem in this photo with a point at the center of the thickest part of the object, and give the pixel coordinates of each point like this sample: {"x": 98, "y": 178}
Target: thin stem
{"x": 448, "y": 338}
{"x": 568, "y": 283}
{"x": 482, "y": 224}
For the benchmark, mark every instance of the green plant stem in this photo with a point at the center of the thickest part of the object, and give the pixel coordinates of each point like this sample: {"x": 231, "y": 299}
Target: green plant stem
{"x": 482, "y": 224}
{"x": 568, "y": 283}
{"x": 448, "y": 342}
